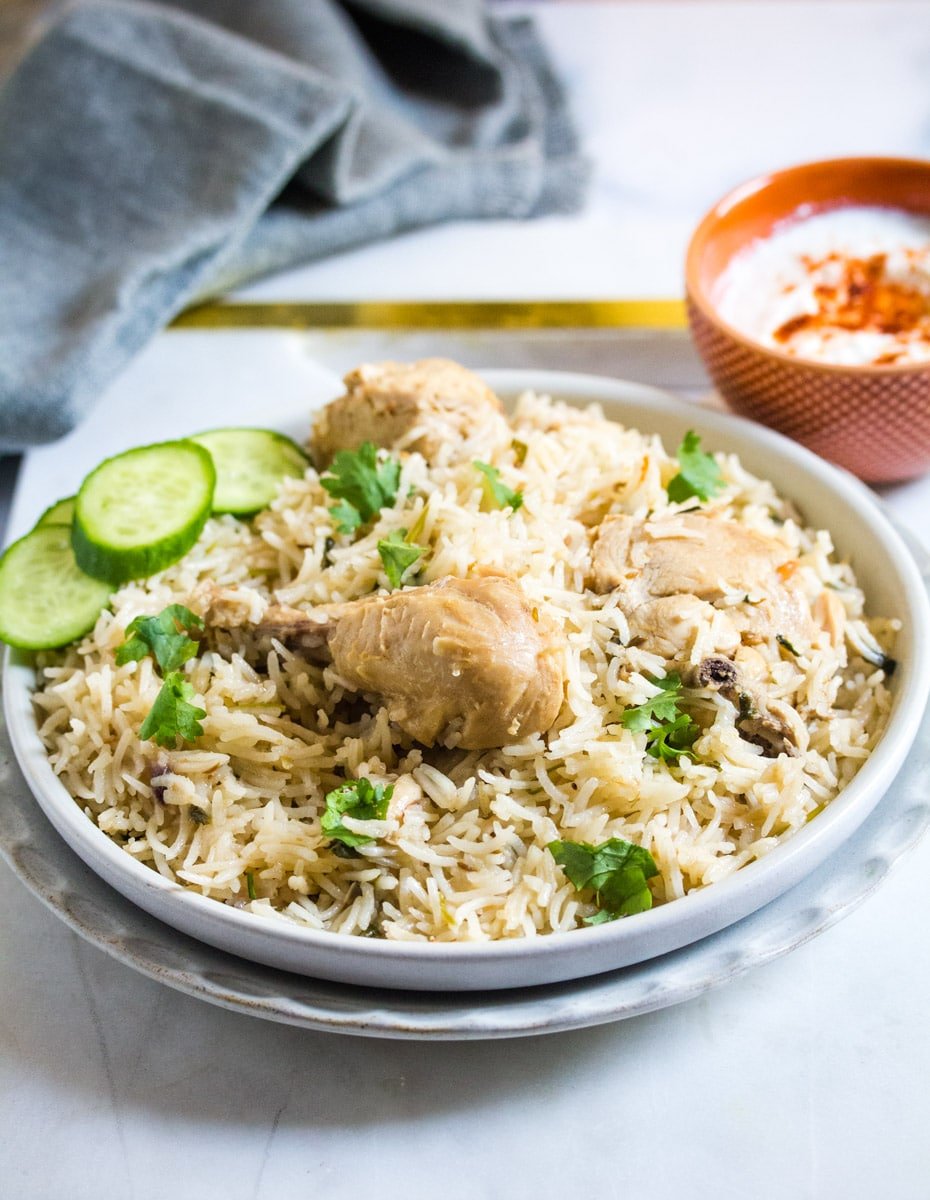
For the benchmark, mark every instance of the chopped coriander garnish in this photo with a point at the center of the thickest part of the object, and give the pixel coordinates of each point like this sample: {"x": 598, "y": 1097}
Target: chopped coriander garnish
{"x": 172, "y": 715}
{"x": 165, "y": 637}
{"x": 250, "y": 884}
{"x": 698, "y": 473}
{"x": 673, "y": 740}
{"x": 361, "y": 484}
{"x": 616, "y": 870}
{"x": 360, "y": 799}
{"x": 498, "y": 494}
{"x": 397, "y": 555}
{"x": 669, "y": 732}
{"x": 663, "y": 706}
{"x": 346, "y": 517}
{"x": 783, "y": 641}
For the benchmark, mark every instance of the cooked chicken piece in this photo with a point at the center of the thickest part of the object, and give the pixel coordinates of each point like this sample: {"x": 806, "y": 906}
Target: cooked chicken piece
{"x": 408, "y": 406}
{"x": 756, "y": 721}
{"x": 694, "y": 555}
{"x": 301, "y": 632}
{"x": 611, "y": 553}
{"x": 467, "y": 662}
{"x": 671, "y": 625}
{"x": 469, "y": 651}
{"x": 242, "y": 610}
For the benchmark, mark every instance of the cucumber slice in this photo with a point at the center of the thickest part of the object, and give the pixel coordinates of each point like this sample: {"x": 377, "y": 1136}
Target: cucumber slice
{"x": 59, "y": 513}
{"x": 142, "y": 510}
{"x": 250, "y": 464}
{"x": 45, "y": 599}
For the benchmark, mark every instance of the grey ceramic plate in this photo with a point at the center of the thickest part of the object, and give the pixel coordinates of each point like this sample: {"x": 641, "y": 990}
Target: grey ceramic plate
{"x": 60, "y": 879}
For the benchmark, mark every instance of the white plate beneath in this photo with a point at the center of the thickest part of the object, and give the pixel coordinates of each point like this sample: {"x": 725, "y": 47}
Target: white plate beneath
{"x": 827, "y": 498}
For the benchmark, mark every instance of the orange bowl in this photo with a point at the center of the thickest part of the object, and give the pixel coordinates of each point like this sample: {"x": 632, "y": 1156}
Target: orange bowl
{"x": 873, "y": 420}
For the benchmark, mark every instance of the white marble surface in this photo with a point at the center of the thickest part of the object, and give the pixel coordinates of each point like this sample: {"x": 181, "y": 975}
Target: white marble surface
{"x": 807, "y": 1078}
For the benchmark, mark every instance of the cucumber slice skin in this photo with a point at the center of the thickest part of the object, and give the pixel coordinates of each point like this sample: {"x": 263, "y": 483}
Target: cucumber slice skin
{"x": 250, "y": 464}
{"x": 59, "y": 513}
{"x": 46, "y": 601}
{"x": 133, "y": 480}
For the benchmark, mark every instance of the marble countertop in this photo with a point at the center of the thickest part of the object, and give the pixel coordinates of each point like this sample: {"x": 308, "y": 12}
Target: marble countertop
{"x": 804, "y": 1078}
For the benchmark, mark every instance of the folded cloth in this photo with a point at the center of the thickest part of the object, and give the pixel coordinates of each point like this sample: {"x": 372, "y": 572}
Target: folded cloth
{"x": 151, "y": 154}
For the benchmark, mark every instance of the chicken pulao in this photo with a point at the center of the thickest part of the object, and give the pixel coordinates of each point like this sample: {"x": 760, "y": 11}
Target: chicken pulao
{"x": 478, "y": 675}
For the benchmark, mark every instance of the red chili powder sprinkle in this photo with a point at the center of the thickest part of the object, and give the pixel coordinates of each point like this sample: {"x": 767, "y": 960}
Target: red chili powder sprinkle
{"x": 864, "y": 299}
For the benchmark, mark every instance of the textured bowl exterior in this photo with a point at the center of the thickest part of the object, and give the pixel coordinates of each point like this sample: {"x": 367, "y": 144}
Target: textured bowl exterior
{"x": 872, "y": 420}
{"x": 875, "y": 425}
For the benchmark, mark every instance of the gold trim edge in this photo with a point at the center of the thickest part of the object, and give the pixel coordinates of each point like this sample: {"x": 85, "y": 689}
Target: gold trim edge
{"x": 440, "y": 314}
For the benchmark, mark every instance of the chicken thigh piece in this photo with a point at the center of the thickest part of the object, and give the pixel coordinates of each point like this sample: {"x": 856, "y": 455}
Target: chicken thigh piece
{"x": 465, "y": 662}
{"x": 664, "y": 567}
{"x": 419, "y": 406}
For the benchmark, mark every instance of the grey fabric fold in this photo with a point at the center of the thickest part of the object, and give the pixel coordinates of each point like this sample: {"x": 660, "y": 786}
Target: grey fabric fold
{"x": 152, "y": 154}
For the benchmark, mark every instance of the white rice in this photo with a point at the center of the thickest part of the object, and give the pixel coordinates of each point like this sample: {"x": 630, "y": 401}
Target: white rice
{"x": 462, "y": 854}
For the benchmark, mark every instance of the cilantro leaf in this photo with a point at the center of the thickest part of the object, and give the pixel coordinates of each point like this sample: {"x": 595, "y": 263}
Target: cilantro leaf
{"x": 669, "y": 732}
{"x": 398, "y": 555}
{"x": 661, "y": 707}
{"x": 698, "y": 473}
{"x": 361, "y": 484}
{"x": 165, "y": 637}
{"x": 497, "y": 493}
{"x": 360, "y": 799}
{"x": 172, "y": 716}
{"x": 672, "y": 740}
{"x": 616, "y": 870}
{"x": 346, "y": 516}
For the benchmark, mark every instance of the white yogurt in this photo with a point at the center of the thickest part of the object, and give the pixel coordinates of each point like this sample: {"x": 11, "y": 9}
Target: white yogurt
{"x": 849, "y": 286}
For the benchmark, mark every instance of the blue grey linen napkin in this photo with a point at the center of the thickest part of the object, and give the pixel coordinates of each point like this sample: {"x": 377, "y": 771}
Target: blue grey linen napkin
{"x": 151, "y": 154}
